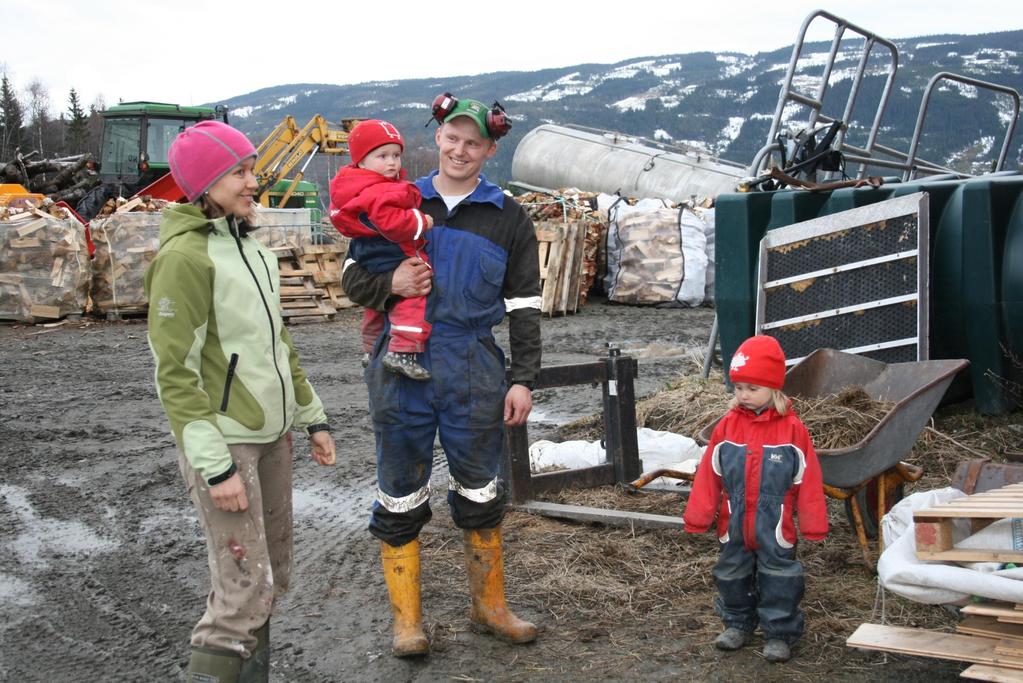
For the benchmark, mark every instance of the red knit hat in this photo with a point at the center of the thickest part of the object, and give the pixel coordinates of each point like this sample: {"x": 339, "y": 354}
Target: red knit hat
{"x": 759, "y": 361}
{"x": 369, "y": 135}
{"x": 203, "y": 154}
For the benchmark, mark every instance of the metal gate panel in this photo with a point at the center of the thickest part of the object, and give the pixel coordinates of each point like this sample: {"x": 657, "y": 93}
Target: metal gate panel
{"x": 855, "y": 281}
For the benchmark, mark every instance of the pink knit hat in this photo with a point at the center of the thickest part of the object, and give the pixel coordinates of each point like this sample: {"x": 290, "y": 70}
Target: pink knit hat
{"x": 203, "y": 154}
{"x": 759, "y": 361}
{"x": 369, "y": 135}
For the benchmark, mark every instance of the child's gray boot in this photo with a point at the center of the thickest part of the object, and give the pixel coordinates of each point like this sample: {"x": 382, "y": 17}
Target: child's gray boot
{"x": 731, "y": 638}
{"x": 405, "y": 364}
{"x": 777, "y": 650}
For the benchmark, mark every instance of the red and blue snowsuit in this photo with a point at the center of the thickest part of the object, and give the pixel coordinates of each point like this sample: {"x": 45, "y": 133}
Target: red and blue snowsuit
{"x": 757, "y": 471}
{"x": 382, "y": 217}
{"x": 484, "y": 256}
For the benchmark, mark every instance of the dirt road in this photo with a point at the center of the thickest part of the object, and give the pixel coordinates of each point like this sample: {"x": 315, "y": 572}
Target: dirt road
{"x": 103, "y": 569}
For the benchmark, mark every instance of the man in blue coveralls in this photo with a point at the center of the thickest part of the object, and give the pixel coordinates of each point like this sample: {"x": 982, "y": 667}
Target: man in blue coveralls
{"x": 483, "y": 254}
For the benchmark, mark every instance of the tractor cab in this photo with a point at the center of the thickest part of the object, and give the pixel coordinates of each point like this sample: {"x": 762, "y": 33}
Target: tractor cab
{"x": 133, "y": 154}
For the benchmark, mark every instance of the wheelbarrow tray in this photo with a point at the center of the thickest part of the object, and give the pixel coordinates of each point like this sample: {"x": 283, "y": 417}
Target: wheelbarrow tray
{"x": 915, "y": 388}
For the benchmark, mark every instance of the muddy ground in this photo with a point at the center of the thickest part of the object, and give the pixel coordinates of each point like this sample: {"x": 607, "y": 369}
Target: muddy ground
{"x": 103, "y": 569}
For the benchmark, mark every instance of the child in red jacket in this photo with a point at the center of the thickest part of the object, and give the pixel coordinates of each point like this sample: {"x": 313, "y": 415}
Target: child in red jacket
{"x": 759, "y": 468}
{"x": 371, "y": 202}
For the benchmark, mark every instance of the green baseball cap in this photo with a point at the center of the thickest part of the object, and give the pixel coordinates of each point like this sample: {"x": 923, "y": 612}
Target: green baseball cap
{"x": 475, "y": 110}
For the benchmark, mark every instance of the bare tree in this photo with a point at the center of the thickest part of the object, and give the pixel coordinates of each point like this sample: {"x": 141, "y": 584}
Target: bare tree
{"x": 96, "y": 125}
{"x": 38, "y": 108}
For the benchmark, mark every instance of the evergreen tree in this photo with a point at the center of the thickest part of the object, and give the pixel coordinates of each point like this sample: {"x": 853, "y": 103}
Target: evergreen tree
{"x": 10, "y": 120}
{"x": 76, "y": 135}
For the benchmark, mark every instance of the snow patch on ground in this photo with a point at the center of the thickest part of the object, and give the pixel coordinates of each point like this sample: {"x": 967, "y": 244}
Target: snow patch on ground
{"x": 630, "y": 104}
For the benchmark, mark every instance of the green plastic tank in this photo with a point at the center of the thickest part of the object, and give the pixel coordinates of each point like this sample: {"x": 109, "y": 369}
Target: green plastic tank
{"x": 976, "y": 261}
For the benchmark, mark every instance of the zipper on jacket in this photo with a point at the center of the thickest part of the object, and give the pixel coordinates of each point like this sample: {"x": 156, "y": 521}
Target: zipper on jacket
{"x": 267, "y": 269}
{"x": 227, "y": 382}
{"x": 270, "y": 318}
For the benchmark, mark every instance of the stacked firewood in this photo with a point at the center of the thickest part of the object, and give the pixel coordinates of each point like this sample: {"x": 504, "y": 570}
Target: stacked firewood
{"x": 568, "y": 206}
{"x": 65, "y": 179}
{"x": 291, "y": 228}
{"x": 44, "y": 263}
{"x": 120, "y": 204}
{"x": 126, "y": 243}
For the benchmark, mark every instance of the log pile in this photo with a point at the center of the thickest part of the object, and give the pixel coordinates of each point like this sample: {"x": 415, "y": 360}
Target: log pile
{"x": 566, "y": 207}
{"x": 126, "y": 243}
{"x": 65, "y": 179}
{"x": 44, "y": 264}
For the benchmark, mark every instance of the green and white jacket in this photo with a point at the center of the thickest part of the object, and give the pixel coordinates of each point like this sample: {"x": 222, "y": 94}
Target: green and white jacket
{"x": 226, "y": 368}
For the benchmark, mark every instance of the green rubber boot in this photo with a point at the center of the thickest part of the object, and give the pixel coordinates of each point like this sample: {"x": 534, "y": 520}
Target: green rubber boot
{"x": 213, "y": 666}
{"x": 256, "y": 669}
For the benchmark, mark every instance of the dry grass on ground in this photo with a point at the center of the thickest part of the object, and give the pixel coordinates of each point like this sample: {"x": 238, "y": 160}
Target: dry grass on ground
{"x": 611, "y": 597}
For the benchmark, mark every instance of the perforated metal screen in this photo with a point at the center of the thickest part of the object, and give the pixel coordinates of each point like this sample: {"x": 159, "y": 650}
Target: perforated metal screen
{"x": 854, "y": 281}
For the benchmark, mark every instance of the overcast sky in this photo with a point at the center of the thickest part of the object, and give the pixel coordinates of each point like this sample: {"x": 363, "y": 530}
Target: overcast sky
{"x": 196, "y": 51}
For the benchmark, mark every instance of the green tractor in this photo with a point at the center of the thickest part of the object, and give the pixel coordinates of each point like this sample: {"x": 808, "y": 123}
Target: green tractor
{"x": 133, "y": 153}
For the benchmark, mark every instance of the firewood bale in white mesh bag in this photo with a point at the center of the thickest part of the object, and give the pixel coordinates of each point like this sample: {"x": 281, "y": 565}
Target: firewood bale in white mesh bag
{"x": 126, "y": 243}
{"x": 44, "y": 266}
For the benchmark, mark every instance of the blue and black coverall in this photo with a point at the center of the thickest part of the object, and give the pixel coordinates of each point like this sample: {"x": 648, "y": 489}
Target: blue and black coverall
{"x": 484, "y": 256}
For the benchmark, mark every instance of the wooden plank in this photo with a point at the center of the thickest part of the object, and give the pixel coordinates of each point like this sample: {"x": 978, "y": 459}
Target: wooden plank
{"x": 989, "y": 627}
{"x": 991, "y": 609}
{"x": 1010, "y": 647}
{"x": 938, "y": 645}
{"x": 972, "y": 555}
{"x": 549, "y": 293}
{"x": 43, "y": 311}
{"x": 29, "y": 228}
{"x": 582, "y": 513}
{"x": 129, "y": 205}
{"x": 577, "y": 275}
{"x": 26, "y": 243}
{"x": 989, "y": 672}
{"x": 568, "y": 269}
{"x": 320, "y": 249}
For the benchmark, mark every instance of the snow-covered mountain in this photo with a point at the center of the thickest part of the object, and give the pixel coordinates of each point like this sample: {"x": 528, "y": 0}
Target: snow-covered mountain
{"x": 721, "y": 102}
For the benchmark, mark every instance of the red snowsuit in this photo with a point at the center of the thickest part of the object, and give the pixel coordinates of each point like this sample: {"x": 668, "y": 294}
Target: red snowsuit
{"x": 757, "y": 470}
{"x": 366, "y": 204}
{"x": 794, "y": 473}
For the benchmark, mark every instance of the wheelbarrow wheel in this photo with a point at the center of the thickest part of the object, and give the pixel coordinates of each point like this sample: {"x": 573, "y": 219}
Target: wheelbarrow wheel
{"x": 866, "y": 499}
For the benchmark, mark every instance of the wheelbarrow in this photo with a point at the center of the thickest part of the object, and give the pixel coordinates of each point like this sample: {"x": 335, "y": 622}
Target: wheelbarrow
{"x": 869, "y": 475}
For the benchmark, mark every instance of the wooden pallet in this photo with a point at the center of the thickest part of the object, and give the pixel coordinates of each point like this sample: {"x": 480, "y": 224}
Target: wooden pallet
{"x": 933, "y": 526}
{"x": 992, "y": 658}
{"x": 302, "y": 298}
{"x": 325, "y": 261}
{"x": 561, "y": 265}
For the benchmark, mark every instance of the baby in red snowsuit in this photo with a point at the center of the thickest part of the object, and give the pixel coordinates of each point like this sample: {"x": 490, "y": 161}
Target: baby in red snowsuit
{"x": 759, "y": 468}
{"x": 371, "y": 202}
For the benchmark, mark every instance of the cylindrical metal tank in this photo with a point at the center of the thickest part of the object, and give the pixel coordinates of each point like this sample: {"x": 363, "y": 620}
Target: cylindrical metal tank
{"x": 554, "y": 157}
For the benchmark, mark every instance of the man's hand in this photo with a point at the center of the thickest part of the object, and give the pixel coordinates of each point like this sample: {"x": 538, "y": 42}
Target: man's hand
{"x": 517, "y": 404}
{"x": 413, "y": 277}
{"x": 322, "y": 445}
{"x": 229, "y": 495}
{"x": 429, "y": 220}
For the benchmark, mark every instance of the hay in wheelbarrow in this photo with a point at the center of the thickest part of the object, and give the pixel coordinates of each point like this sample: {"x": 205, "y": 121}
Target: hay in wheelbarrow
{"x": 690, "y": 403}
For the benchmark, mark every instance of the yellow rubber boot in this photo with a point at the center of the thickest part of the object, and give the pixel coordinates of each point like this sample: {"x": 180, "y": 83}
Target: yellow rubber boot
{"x": 485, "y": 565}
{"x": 401, "y": 572}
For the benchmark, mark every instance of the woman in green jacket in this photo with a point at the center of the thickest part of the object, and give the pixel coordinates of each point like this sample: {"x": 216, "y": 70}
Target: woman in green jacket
{"x": 229, "y": 380}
